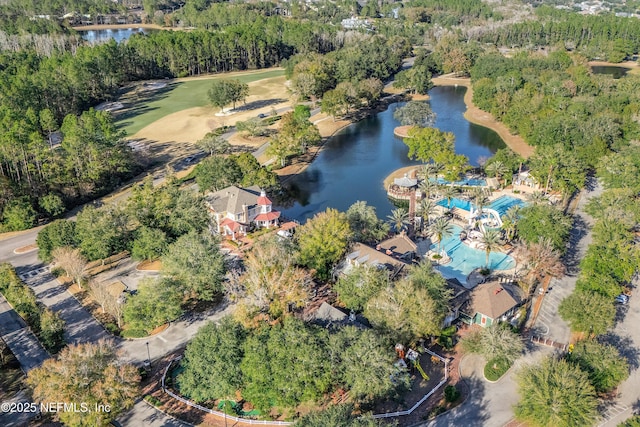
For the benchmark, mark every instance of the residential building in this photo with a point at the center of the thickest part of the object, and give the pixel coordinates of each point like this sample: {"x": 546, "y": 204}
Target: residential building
{"x": 492, "y": 302}
{"x": 400, "y": 247}
{"x": 237, "y": 210}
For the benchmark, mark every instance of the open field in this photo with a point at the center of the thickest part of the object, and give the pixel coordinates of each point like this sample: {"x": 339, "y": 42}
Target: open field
{"x": 144, "y": 107}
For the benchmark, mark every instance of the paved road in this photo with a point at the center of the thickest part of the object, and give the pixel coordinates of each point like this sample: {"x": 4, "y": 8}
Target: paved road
{"x": 626, "y": 338}
{"x": 488, "y": 404}
{"x": 549, "y": 324}
{"x": 80, "y": 326}
{"x": 22, "y": 342}
{"x": 143, "y": 414}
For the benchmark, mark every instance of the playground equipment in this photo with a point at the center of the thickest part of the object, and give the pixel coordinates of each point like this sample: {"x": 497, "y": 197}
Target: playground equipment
{"x": 413, "y": 356}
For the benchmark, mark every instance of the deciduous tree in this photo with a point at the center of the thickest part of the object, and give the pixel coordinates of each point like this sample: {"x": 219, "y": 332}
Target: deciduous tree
{"x": 603, "y": 363}
{"x": 272, "y": 283}
{"x": 195, "y": 261}
{"x": 156, "y": 303}
{"x": 90, "y": 374}
{"x": 212, "y": 362}
{"x": 555, "y": 393}
{"x": 588, "y": 312}
{"x": 72, "y": 262}
{"x": 495, "y": 341}
{"x": 323, "y": 240}
{"x": 365, "y": 224}
{"x": 415, "y": 113}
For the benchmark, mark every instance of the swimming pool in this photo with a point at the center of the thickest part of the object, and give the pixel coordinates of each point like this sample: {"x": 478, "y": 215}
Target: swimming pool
{"x": 503, "y": 203}
{"x": 455, "y": 203}
{"x": 465, "y": 259}
{"x": 473, "y": 182}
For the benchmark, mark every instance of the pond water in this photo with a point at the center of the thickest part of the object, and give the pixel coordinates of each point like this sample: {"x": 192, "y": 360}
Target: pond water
{"x": 612, "y": 70}
{"x": 354, "y": 163}
{"x": 118, "y": 34}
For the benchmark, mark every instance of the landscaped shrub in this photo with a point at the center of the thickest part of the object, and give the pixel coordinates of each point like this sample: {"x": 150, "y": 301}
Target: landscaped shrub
{"x": 134, "y": 333}
{"x": 496, "y": 368}
{"x": 451, "y": 393}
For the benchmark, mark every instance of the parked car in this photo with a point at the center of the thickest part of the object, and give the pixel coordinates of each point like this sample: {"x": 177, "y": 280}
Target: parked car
{"x": 622, "y": 299}
{"x": 262, "y": 116}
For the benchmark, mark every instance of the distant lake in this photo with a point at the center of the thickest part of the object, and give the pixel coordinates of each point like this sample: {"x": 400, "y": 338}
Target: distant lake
{"x": 355, "y": 161}
{"x": 612, "y": 70}
{"x": 118, "y": 34}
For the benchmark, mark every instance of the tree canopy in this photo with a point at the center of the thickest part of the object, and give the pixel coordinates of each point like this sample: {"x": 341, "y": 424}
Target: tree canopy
{"x": 227, "y": 91}
{"x": 323, "y": 240}
{"x": 91, "y": 374}
{"x": 555, "y": 393}
{"x": 434, "y": 145}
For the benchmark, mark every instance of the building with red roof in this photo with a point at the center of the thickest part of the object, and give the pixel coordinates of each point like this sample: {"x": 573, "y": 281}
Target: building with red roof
{"x": 237, "y": 210}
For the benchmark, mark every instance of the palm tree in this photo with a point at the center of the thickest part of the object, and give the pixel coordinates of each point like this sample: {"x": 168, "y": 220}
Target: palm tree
{"x": 431, "y": 169}
{"x": 440, "y": 228}
{"x": 427, "y": 208}
{"x": 542, "y": 260}
{"x": 449, "y": 192}
{"x": 479, "y": 199}
{"x": 537, "y": 197}
{"x": 510, "y": 221}
{"x": 491, "y": 241}
{"x": 399, "y": 219}
{"x": 497, "y": 169}
{"x": 427, "y": 187}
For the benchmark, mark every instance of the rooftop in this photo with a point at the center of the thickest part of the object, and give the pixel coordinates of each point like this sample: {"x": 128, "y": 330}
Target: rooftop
{"x": 398, "y": 245}
{"x": 231, "y": 199}
{"x": 493, "y": 299}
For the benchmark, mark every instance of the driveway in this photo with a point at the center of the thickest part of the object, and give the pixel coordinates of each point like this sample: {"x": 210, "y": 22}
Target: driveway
{"x": 143, "y": 414}
{"x": 176, "y": 336}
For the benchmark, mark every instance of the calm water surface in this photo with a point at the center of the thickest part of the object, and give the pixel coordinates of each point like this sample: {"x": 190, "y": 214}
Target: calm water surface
{"x": 611, "y": 70}
{"x": 354, "y": 163}
{"x": 118, "y": 34}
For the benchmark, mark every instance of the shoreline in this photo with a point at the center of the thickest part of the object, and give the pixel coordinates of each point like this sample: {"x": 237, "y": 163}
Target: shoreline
{"x": 472, "y": 114}
{"x": 480, "y": 117}
{"x": 304, "y": 161}
{"x": 98, "y": 27}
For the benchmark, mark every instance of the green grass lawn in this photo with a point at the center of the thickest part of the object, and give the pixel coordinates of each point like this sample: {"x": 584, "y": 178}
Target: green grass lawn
{"x": 177, "y": 96}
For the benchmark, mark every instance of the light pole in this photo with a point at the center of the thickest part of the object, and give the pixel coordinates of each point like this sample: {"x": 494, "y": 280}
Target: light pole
{"x": 148, "y": 355}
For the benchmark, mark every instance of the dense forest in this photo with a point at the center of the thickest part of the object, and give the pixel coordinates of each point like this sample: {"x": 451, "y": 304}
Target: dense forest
{"x": 48, "y": 81}
{"x": 605, "y": 37}
{"x": 571, "y": 116}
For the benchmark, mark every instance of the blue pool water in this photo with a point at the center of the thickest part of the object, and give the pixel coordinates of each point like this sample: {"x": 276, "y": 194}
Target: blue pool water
{"x": 500, "y": 205}
{"x": 465, "y": 259}
{"x": 455, "y": 203}
{"x": 473, "y": 182}
{"x": 504, "y": 203}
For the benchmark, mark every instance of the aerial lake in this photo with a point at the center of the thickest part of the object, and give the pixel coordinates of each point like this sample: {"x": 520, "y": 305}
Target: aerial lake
{"x": 118, "y": 34}
{"x": 354, "y": 163}
{"x": 611, "y": 70}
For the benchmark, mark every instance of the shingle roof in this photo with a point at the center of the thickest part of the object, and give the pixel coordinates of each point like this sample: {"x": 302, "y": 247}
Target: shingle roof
{"x": 232, "y": 198}
{"x": 367, "y": 255}
{"x": 399, "y": 245}
{"x": 493, "y": 299}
